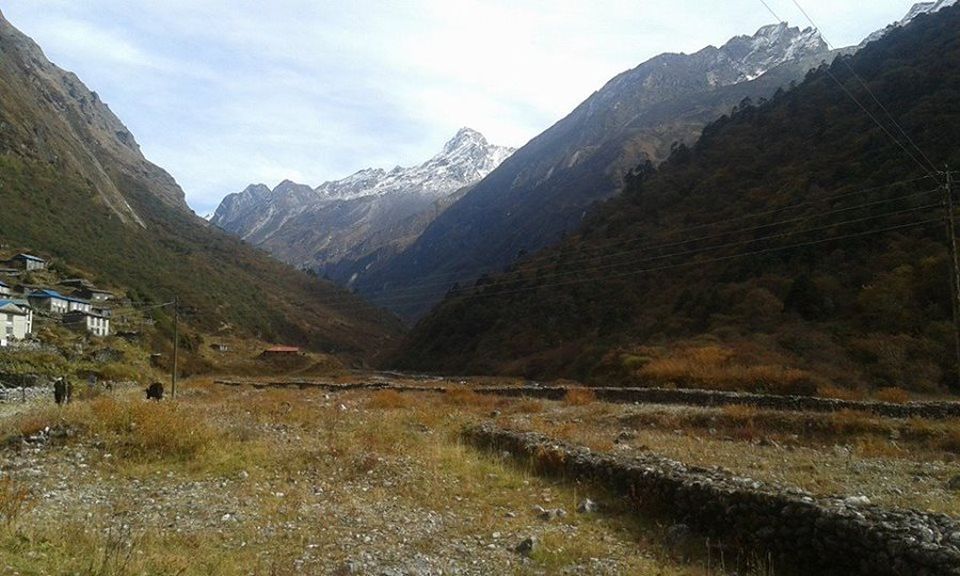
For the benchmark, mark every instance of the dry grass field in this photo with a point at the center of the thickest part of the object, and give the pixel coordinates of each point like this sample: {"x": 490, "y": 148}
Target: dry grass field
{"x": 245, "y": 481}
{"x": 239, "y": 480}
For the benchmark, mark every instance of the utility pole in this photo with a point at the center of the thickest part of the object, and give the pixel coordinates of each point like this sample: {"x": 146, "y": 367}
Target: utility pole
{"x": 176, "y": 345}
{"x": 954, "y": 263}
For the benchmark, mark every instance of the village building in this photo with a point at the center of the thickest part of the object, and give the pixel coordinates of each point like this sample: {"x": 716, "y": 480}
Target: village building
{"x": 93, "y": 294}
{"x": 57, "y": 303}
{"x": 15, "y": 322}
{"x": 26, "y": 307}
{"x": 5, "y": 289}
{"x": 86, "y": 321}
{"x": 28, "y": 262}
{"x": 78, "y": 283}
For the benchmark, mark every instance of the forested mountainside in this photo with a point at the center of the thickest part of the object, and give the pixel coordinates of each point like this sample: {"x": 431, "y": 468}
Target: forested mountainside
{"x": 794, "y": 246}
{"x": 544, "y": 189}
{"x": 346, "y": 228}
{"x": 76, "y": 188}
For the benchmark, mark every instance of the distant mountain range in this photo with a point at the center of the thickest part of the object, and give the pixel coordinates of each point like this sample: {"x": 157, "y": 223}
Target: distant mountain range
{"x": 344, "y": 228}
{"x": 382, "y": 235}
{"x": 76, "y": 188}
{"x": 795, "y": 248}
{"x": 547, "y": 187}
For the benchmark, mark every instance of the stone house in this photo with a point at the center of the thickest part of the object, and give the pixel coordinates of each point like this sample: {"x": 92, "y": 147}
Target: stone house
{"x": 57, "y": 303}
{"x": 15, "y": 322}
{"x": 87, "y": 321}
{"x": 28, "y": 262}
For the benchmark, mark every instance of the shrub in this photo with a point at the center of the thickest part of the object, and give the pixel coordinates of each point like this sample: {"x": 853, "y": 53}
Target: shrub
{"x": 14, "y": 500}
{"x": 830, "y": 391}
{"x": 389, "y": 400}
{"x": 893, "y": 395}
{"x": 579, "y": 397}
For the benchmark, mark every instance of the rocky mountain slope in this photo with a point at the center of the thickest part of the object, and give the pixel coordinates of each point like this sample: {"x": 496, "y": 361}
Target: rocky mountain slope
{"x": 545, "y": 189}
{"x": 343, "y": 228}
{"x": 915, "y": 11}
{"x": 83, "y": 134}
{"x": 794, "y": 248}
{"x": 75, "y": 187}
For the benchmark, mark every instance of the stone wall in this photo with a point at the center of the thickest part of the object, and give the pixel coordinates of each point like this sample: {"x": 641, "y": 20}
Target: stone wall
{"x": 934, "y": 410}
{"x": 801, "y": 533}
{"x": 706, "y": 398}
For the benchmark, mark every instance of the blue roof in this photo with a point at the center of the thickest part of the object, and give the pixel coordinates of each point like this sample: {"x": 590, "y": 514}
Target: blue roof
{"x": 4, "y": 284}
{"x": 29, "y": 257}
{"x": 6, "y": 302}
{"x": 43, "y": 294}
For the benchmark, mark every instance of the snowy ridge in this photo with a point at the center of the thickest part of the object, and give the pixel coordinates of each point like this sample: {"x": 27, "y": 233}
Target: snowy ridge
{"x": 916, "y": 10}
{"x": 772, "y": 45}
{"x": 465, "y": 159}
{"x": 258, "y": 213}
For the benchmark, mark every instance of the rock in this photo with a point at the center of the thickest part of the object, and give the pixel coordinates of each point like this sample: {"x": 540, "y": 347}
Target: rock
{"x": 548, "y": 515}
{"x": 678, "y": 535}
{"x": 855, "y": 501}
{"x": 954, "y": 484}
{"x": 625, "y": 436}
{"x": 588, "y": 506}
{"x": 527, "y": 547}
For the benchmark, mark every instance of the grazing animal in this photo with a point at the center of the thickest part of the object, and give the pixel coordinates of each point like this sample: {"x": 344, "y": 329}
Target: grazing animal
{"x": 155, "y": 391}
{"x": 59, "y": 391}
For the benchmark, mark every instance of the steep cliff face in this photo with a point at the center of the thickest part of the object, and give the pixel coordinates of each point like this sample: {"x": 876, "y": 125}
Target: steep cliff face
{"x": 545, "y": 188}
{"x": 50, "y": 115}
{"x": 76, "y": 188}
{"x": 346, "y": 228}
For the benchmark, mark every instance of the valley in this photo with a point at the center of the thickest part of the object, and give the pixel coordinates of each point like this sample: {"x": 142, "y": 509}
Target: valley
{"x": 706, "y": 322}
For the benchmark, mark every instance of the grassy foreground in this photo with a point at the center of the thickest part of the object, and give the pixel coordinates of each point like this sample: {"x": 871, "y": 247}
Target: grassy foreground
{"x": 245, "y": 481}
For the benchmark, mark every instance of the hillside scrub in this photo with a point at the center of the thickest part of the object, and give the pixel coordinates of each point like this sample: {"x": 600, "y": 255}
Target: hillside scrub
{"x": 794, "y": 233}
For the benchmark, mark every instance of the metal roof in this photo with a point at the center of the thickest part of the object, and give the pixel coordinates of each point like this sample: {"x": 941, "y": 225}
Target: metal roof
{"x": 43, "y": 294}
{"x": 18, "y": 310}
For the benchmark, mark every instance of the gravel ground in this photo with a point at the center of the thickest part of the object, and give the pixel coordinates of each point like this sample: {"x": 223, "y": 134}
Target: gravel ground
{"x": 439, "y": 509}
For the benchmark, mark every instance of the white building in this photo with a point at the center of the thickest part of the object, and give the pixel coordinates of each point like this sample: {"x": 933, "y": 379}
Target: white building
{"x": 15, "y": 322}
{"x": 86, "y": 321}
{"x": 28, "y": 262}
{"x": 53, "y": 301}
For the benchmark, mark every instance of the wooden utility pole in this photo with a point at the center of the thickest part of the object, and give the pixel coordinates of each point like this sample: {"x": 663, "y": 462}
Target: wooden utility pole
{"x": 176, "y": 345}
{"x": 954, "y": 263}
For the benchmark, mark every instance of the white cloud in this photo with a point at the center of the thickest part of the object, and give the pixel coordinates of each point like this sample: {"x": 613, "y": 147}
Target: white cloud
{"x": 227, "y": 92}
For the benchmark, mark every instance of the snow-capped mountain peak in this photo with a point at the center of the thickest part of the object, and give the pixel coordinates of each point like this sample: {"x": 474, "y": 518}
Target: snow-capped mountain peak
{"x": 915, "y": 11}
{"x": 771, "y": 46}
{"x": 464, "y": 159}
{"x": 465, "y": 138}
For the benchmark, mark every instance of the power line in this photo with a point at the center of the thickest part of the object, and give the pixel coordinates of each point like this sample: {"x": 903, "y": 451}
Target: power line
{"x": 867, "y": 88}
{"x": 722, "y": 258}
{"x": 852, "y": 96}
{"x": 416, "y": 295}
{"x": 445, "y": 279}
{"x": 413, "y": 298}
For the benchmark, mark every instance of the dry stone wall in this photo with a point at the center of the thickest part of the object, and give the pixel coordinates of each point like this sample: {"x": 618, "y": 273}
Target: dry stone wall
{"x": 801, "y": 533}
{"x": 705, "y": 398}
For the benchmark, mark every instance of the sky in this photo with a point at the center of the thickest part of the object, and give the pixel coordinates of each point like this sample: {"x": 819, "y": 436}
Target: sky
{"x": 224, "y": 93}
